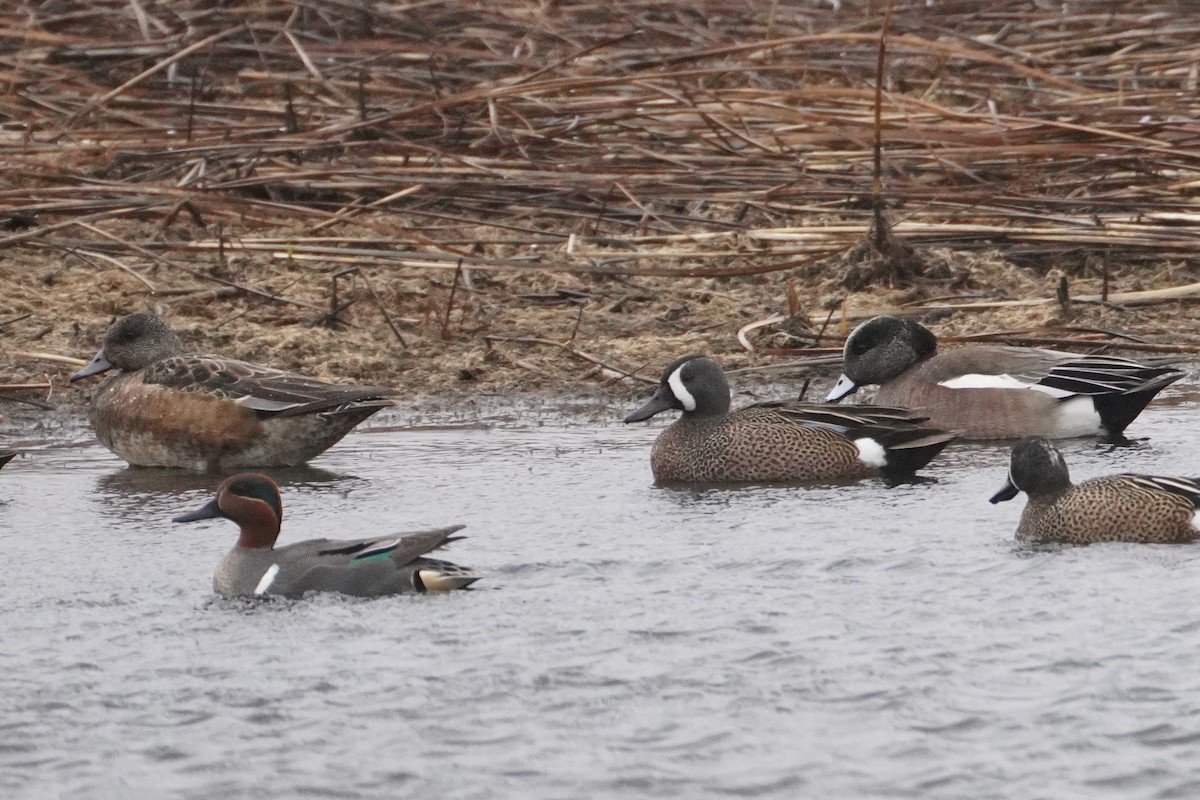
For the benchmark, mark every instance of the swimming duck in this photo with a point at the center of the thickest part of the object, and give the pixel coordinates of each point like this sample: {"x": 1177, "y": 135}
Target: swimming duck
{"x": 1115, "y": 508}
{"x": 360, "y": 567}
{"x": 996, "y": 391}
{"x": 776, "y": 442}
{"x": 164, "y": 408}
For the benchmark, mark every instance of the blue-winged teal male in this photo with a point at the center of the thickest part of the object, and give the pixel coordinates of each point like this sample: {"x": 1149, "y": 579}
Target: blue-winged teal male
{"x": 776, "y": 442}
{"x": 362, "y": 567}
{"x": 1115, "y": 508}
{"x": 995, "y": 391}
{"x": 164, "y": 408}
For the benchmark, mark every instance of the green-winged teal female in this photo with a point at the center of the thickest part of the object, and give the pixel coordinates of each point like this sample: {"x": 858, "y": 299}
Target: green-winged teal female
{"x": 995, "y": 391}
{"x": 164, "y": 408}
{"x": 776, "y": 442}
{"x": 1115, "y": 508}
{"x": 361, "y": 567}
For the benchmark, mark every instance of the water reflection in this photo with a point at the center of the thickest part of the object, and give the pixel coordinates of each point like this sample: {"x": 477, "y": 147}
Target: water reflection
{"x": 739, "y": 636}
{"x": 134, "y": 493}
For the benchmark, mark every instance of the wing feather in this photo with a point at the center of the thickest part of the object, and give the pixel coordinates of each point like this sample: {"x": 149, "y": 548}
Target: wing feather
{"x": 265, "y": 390}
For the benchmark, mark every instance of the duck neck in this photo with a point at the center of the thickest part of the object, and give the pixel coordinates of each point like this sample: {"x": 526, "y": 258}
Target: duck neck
{"x": 1048, "y": 494}
{"x": 710, "y": 406}
{"x": 259, "y": 528}
{"x": 705, "y": 416}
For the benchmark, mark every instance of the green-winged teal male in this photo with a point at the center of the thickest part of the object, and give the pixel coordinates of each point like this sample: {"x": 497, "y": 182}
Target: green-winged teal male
{"x": 1115, "y": 508}
{"x": 996, "y": 391}
{"x": 776, "y": 442}
{"x": 362, "y": 567}
{"x": 165, "y": 408}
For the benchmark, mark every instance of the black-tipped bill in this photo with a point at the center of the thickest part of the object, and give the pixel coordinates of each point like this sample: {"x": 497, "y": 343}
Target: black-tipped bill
{"x": 94, "y": 367}
{"x": 1009, "y": 491}
{"x": 843, "y": 387}
{"x": 662, "y": 400}
{"x": 209, "y": 510}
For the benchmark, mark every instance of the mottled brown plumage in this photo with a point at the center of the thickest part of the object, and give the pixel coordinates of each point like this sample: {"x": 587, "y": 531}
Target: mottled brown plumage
{"x": 164, "y": 408}
{"x": 776, "y": 442}
{"x": 1116, "y": 508}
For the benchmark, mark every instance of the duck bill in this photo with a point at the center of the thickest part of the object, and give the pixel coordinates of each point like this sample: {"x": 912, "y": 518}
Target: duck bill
{"x": 1007, "y": 493}
{"x": 843, "y": 387}
{"x": 209, "y": 510}
{"x": 662, "y": 400}
{"x": 94, "y": 367}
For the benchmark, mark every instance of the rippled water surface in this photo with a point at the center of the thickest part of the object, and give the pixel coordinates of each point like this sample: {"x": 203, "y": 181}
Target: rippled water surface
{"x": 628, "y": 640}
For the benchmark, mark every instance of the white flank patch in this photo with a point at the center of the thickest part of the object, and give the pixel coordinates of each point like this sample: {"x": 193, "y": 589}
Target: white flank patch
{"x": 979, "y": 381}
{"x": 843, "y": 387}
{"x": 267, "y": 579}
{"x": 1196, "y": 520}
{"x": 871, "y": 452}
{"x": 1076, "y": 417}
{"x": 1005, "y": 381}
{"x": 680, "y": 391}
{"x": 1061, "y": 394}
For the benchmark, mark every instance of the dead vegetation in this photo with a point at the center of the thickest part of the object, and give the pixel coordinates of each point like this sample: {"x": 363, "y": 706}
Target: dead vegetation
{"x": 516, "y": 194}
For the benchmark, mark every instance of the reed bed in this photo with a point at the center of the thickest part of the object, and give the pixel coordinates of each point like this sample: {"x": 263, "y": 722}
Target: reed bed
{"x": 437, "y": 159}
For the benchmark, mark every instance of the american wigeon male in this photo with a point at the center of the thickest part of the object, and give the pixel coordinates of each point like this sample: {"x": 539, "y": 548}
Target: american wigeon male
{"x": 996, "y": 391}
{"x": 776, "y": 442}
{"x": 165, "y": 408}
{"x": 255, "y": 567}
{"x": 1115, "y": 508}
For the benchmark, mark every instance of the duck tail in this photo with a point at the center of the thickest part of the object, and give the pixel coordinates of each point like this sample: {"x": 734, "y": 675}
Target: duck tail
{"x": 908, "y": 450}
{"x": 1118, "y": 410}
{"x": 433, "y": 575}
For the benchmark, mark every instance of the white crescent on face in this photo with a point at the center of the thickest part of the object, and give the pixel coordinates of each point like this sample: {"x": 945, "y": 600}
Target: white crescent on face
{"x": 680, "y": 391}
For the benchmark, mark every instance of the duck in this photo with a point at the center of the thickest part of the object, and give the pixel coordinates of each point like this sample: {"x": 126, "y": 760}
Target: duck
{"x": 997, "y": 391}
{"x": 370, "y": 567}
{"x": 776, "y": 442}
{"x": 1114, "y": 508}
{"x": 162, "y": 407}
{"x": 6, "y": 456}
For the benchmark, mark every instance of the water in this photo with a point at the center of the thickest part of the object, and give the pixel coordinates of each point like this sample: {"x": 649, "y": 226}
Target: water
{"x": 628, "y": 641}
